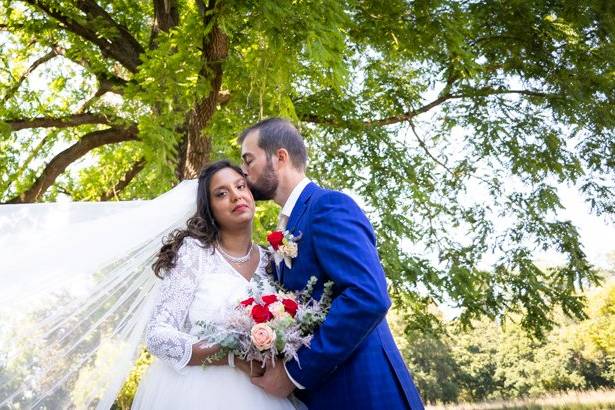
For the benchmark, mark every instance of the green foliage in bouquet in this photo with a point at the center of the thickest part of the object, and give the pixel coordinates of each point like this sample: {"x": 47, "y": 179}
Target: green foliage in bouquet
{"x": 311, "y": 320}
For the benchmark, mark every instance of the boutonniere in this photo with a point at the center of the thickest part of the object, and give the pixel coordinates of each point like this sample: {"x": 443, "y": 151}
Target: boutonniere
{"x": 283, "y": 246}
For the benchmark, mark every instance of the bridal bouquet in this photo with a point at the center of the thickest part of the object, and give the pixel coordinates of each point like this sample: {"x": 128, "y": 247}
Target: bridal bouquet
{"x": 272, "y": 323}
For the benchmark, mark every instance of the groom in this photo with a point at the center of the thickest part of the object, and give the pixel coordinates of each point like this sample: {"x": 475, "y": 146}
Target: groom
{"x": 352, "y": 362}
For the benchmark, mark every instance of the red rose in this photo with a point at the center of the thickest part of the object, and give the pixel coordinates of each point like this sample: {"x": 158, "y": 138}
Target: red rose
{"x": 261, "y": 314}
{"x": 247, "y": 302}
{"x": 269, "y": 299}
{"x": 290, "y": 306}
{"x": 275, "y": 239}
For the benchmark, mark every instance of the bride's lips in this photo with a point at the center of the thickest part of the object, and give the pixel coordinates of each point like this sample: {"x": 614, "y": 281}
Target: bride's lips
{"x": 240, "y": 208}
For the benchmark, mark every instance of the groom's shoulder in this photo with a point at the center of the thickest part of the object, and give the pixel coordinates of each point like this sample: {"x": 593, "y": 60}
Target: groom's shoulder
{"x": 328, "y": 198}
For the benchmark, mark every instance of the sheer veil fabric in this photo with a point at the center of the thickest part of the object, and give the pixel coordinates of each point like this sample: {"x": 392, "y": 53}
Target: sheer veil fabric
{"x": 75, "y": 291}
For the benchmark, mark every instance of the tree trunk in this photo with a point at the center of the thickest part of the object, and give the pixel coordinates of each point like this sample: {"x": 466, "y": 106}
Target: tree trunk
{"x": 195, "y": 151}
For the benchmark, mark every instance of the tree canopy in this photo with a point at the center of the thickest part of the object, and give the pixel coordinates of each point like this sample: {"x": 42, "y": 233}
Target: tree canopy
{"x": 500, "y": 361}
{"x": 454, "y": 120}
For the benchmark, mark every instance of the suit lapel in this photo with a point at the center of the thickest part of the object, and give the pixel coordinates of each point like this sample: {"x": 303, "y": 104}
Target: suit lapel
{"x": 300, "y": 206}
{"x": 295, "y": 218}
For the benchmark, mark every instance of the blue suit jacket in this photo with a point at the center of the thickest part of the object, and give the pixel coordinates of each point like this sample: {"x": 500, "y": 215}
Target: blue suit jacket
{"x": 353, "y": 362}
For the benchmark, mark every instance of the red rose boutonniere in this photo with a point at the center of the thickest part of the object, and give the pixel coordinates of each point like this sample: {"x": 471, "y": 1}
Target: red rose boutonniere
{"x": 284, "y": 247}
{"x": 275, "y": 239}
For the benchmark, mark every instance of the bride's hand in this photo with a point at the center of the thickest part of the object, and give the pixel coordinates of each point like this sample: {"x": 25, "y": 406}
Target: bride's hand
{"x": 252, "y": 369}
{"x": 202, "y": 354}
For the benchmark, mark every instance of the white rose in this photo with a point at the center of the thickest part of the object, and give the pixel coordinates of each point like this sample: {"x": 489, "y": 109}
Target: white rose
{"x": 290, "y": 249}
{"x": 276, "y": 309}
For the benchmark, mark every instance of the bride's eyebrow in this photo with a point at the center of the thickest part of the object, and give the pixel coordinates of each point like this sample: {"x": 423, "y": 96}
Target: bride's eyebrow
{"x": 219, "y": 187}
{"x": 225, "y": 186}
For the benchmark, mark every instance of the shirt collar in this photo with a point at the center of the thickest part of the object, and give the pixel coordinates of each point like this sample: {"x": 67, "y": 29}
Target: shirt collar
{"x": 288, "y": 207}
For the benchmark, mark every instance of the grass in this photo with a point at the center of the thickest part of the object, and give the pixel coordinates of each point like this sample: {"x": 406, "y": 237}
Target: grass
{"x": 573, "y": 400}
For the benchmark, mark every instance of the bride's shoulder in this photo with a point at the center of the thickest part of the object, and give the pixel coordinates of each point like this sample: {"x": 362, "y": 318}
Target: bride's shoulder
{"x": 192, "y": 245}
{"x": 192, "y": 254}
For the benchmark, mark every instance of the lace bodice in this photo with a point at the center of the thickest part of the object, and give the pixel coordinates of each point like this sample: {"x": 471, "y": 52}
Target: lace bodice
{"x": 200, "y": 285}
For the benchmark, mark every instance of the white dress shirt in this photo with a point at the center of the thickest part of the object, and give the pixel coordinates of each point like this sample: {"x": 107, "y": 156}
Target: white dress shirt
{"x": 288, "y": 207}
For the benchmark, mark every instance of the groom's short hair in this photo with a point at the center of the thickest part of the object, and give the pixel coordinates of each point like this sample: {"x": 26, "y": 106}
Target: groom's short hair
{"x": 275, "y": 133}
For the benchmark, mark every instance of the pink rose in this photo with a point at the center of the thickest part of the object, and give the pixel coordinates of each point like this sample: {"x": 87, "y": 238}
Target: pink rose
{"x": 262, "y": 336}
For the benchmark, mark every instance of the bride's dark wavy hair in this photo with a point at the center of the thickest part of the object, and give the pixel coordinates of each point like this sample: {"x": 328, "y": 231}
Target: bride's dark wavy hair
{"x": 202, "y": 226}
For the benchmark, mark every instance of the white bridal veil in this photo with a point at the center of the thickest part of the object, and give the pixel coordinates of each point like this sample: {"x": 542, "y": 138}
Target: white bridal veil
{"x": 75, "y": 281}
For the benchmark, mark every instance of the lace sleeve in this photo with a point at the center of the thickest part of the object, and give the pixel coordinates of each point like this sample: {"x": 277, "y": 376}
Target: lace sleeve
{"x": 166, "y": 333}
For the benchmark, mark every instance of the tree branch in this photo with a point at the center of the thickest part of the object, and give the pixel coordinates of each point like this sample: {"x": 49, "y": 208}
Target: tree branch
{"x": 55, "y": 51}
{"x": 123, "y": 47}
{"x": 111, "y": 82}
{"x": 6, "y": 27}
{"x": 126, "y": 179}
{"x": 105, "y": 78}
{"x": 90, "y": 101}
{"x": 166, "y": 16}
{"x": 60, "y": 122}
{"x": 408, "y": 116}
{"x": 424, "y": 147}
{"x": 60, "y": 162}
{"x": 106, "y": 84}
{"x": 486, "y": 91}
{"x": 128, "y": 42}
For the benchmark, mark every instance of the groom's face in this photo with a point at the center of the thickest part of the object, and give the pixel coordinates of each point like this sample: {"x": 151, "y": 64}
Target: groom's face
{"x": 258, "y": 166}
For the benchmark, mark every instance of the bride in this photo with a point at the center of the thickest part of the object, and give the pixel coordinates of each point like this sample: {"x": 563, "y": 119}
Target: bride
{"x": 77, "y": 299}
{"x": 204, "y": 268}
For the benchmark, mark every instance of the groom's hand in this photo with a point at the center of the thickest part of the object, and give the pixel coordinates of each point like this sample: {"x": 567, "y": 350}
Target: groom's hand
{"x": 252, "y": 369}
{"x": 275, "y": 381}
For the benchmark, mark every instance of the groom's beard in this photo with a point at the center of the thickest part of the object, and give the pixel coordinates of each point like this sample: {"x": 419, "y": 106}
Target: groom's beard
{"x": 265, "y": 186}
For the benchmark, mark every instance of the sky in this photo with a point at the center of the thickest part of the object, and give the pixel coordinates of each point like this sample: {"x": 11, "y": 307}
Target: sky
{"x": 597, "y": 234}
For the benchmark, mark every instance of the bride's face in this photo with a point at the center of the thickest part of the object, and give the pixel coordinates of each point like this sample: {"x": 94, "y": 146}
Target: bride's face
{"x": 232, "y": 203}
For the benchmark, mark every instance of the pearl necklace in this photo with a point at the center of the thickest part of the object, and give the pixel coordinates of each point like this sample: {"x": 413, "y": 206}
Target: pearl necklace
{"x": 234, "y": 259}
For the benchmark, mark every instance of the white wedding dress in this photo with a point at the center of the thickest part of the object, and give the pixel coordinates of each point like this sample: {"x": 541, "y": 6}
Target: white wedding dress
{"x": 198, "y": 288}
